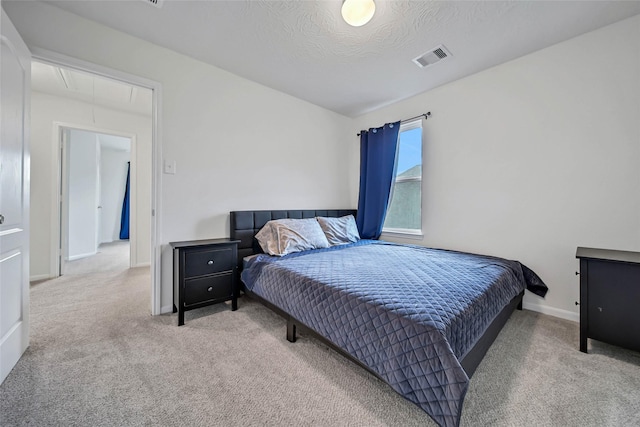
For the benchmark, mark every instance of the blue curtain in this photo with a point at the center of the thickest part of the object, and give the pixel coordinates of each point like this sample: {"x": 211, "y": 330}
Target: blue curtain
{"x": 124, "y": 218}
{"x": 377, "y": 162}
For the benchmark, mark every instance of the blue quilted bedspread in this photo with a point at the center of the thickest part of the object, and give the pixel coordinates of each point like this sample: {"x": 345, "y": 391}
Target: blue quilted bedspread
{"x": 409, "y": 313}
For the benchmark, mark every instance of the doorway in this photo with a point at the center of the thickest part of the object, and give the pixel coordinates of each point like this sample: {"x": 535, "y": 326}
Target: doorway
{"x": 102, "y": 101}
{"x": 96, "y": 202}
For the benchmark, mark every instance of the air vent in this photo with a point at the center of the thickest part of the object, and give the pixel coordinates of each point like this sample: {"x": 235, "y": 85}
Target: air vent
{"x": 436, "y": 54}
{"x": 156, "y": 3}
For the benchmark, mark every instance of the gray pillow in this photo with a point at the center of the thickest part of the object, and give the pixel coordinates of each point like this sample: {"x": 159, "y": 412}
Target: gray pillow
{"x": 284, "y": 236}
{"x": 339, "y": 231}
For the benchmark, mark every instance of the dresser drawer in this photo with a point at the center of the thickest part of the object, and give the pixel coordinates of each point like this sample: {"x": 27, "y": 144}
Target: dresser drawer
{"x": 208, "y": 288}
{"x": 209, "y": 261}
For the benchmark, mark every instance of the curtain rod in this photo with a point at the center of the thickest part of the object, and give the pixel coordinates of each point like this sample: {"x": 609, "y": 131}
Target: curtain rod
{"x": 425, "y": 115}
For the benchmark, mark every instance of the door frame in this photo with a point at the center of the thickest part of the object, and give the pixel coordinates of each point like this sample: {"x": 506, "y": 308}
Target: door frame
{"x": 57, "y": 59}
{"x": 60, "y": 203}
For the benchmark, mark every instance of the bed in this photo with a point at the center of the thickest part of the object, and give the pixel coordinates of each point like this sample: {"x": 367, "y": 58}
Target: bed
{"x": 420, "y": 319}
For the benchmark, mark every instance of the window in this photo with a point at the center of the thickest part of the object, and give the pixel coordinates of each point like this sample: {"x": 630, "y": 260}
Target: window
{"x": 404, "y": 214}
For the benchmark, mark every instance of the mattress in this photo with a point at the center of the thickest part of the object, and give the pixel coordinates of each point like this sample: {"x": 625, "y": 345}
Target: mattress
{"x": 409, "y": 313}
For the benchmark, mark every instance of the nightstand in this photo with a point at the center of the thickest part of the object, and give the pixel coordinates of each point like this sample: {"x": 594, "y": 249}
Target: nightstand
{"x": 609, "y": 295}
{"x": 204, "y": 273}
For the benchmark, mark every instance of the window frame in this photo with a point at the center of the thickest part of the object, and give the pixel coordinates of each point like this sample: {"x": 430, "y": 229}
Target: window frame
{"x": 416, "y": 233}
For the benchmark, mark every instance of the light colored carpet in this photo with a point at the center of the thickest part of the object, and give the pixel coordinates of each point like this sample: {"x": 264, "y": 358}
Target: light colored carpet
{"x": 97, "y": 358}
{"x": 113, "y": 256}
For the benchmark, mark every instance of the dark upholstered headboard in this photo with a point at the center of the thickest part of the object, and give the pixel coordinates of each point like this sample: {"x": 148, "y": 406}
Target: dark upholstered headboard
{"x": 245, "y": 224}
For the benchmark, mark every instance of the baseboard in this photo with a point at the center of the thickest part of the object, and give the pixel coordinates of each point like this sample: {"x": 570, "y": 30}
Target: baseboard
{"x": 142, "y": 264}
{"x": 551, "y": 311}
{"x": 39, "y": 277}
{"x": 75, "y": 257}
{"x": 166, "y": 309}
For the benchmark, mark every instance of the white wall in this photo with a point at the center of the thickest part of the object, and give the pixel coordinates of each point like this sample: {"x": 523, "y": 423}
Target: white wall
{"x": 84, "y": 152}
{"x": 113, "y": 179}
{"x": 46, "y": 111}
{"x": 237, "y": 144}
{"x": 532, "y": 158}
{"x": 526, "y": 160}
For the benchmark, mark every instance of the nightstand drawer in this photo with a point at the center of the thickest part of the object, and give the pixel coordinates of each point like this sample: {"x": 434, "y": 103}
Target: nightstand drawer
{"x": 208, "y": 288}
{"x": 199, "y": 263}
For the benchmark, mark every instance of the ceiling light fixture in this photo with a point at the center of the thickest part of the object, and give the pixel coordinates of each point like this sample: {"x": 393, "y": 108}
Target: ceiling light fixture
{"x": 358, "y": 12}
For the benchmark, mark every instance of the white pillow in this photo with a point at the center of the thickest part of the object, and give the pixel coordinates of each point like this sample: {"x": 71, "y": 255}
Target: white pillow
{"x": 339, "y": 231}
{"x": 284, "y": 236}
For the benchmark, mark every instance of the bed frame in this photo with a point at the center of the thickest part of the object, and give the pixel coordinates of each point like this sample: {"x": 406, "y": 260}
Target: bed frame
{"x": 245, "y": 224}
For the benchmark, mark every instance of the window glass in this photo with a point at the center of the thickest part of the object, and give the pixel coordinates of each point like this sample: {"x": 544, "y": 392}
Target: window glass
{"x": 405, "y": 208}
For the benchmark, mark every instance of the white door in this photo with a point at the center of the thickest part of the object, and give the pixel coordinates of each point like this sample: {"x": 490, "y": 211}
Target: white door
{"x": 14, "y": 197}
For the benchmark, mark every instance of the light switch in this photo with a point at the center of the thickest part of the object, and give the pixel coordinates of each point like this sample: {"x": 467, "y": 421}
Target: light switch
{"x": 170, "y": 167}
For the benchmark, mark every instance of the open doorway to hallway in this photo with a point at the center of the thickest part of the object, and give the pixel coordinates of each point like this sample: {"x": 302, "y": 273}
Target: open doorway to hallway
{"x": 77, "y": 215}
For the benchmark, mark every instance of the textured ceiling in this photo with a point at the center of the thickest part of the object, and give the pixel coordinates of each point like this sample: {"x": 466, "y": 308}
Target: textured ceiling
{"x": 305, "y": 49}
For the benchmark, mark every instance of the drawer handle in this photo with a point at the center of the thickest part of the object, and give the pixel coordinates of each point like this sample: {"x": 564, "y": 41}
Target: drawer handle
{"x": 210, "y": 288}
{"x": 210, "y": 262}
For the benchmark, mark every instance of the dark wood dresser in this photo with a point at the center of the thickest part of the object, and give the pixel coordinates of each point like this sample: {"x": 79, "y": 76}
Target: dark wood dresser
{"x": 609, "y": 297}
{"x": 204, "y": 273}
